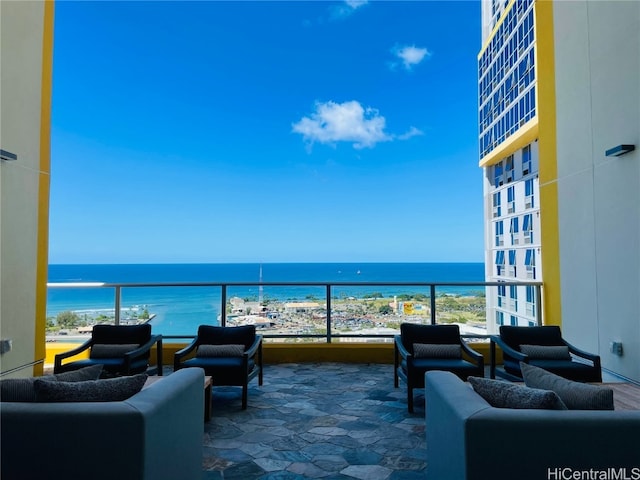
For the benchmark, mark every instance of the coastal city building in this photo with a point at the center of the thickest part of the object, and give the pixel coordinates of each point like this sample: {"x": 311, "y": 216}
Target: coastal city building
{"x": 508, "y": 128}
{"x": 559, "y": 124}
{"x": 566, "y": 138}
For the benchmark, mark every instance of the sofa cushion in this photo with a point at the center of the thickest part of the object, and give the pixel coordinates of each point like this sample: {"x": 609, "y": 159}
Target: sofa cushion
{"x": 23, "y": 389}
{"x": 108, "y": 390}
{"x": 220, "y": 351}
{"x": 437, "y": 350}
{"x": 107, "y": 350}
{"x": 507, "y": 395}
{"x": 548, "y": 352}
{"x": 575, "y": 395}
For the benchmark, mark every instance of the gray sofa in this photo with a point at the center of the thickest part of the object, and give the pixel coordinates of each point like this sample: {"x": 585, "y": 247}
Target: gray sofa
{"x": 469, "y": 439}
{"x": 155, "y": 434}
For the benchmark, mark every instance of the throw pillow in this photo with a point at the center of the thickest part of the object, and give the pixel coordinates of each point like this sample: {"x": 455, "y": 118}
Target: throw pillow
{"x": 23, "y": 389}
{"x": 508, "y": 395}
{"x": 435, "y": 350}
{"x": 546, "y": 352}
{"x": 220, "y": 351}
{"x": 109, "y": 390}
{"x": 575, "y": 395}
{"x": 105, "y": 350}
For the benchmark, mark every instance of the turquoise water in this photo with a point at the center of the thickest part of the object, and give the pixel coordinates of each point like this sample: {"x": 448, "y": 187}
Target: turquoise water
{"x": 179, "y": 310}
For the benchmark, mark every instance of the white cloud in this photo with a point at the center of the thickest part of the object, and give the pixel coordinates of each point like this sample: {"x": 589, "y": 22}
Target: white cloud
{"x": 410, "y": 55}
{"x": 346, "y": 9}
{"x": 343, "y": 122}
{"x": 412, "y": 132}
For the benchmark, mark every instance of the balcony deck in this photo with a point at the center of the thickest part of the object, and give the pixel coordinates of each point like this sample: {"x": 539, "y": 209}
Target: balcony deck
{"x": 316, "y": 420}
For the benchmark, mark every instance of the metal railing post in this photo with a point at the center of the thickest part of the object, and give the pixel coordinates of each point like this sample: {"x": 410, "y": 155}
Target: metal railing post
{"x": 117, "y": 306}
{"x": 433, "y": 303}
{"x": 223, "y": 306}
{"x": 328, "y": 313}
{"x": 539, "y": 304}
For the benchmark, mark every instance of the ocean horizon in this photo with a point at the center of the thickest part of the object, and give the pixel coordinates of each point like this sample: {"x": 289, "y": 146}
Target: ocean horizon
{"x": 179, "y": 310}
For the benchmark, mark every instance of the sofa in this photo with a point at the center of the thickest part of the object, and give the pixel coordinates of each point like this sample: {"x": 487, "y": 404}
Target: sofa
{"x": 155, "y": 434}
{"x": 469, "y": 439}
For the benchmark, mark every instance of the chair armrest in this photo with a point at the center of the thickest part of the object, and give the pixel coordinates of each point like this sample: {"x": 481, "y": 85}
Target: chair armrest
{"x": 253, "y": 349}
{"x": 144, "y": 350}
{"x": 61, "y": 356}
{"x": 521, "y": 357}
{"x": 180, "y": 354}
{"x": 472, "y": 353}
{"x": 404, "y": 353}
{"x": 582, "y": 353}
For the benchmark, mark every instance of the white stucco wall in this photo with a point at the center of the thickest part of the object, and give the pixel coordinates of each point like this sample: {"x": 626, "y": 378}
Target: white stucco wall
{"x": 21, "y": 43}
{"x": 597, "y": 66}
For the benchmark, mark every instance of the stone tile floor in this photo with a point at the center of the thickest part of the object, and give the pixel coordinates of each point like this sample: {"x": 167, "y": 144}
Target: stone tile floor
{"x": 320, "y": 420}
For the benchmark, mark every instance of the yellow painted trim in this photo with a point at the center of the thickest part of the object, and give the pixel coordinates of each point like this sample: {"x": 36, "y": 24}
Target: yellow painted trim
{"x": 42, "y": 258}
{"x": 522, "y": 137}
{"x": 496, "y": 27}
{"x": 275, "y": 353}
{"x": 548, "y": 171}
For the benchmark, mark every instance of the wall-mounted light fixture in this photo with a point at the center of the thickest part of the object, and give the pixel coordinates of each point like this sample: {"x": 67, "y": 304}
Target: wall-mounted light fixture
{"x": 619, "y": 150}
{"x": 4, "y": 155}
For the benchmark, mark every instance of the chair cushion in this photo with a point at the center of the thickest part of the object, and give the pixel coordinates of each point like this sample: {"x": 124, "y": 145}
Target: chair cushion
{"x": 138, "y": 334}
{"x": 220, "y": 351}
{"x": 550, "y": 352}
{"x": 109, "y": 390}
{"x": 436, "y": 350}
{"x": 508, "y": 395}
{"x": 575, "y": 395}
{"x": 105, "y": 350}
{"x": 430, "y": 334}
{"x": 242, "y": 335}
{"x": 516, "y": 336}
{"x": 23, "y": 389}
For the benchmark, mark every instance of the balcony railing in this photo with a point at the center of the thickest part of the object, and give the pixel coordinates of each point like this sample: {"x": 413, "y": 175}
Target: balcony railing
{"x": 314, "y": 311}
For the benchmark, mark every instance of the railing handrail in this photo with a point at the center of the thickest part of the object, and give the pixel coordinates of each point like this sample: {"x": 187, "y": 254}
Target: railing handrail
{"x": 224, "y": 286}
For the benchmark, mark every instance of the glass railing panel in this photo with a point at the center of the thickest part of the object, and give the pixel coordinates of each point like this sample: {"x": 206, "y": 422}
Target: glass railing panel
{"x": 377, "y": 310}
{"x": 283, "y": 311}
{"x": 171, "y": 311}
{"x": 71, "y": 311}
{"x": 464, "y": 306}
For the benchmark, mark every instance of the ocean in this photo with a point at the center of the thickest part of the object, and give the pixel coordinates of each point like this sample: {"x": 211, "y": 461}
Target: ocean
{"x": 179, "y": 310}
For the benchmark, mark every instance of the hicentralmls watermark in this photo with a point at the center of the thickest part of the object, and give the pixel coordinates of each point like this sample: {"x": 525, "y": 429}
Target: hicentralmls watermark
{"x": 566, "y": 473}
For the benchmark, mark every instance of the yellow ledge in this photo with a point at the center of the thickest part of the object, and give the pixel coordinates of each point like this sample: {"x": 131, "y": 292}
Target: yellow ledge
{"x": 287, "y": 352}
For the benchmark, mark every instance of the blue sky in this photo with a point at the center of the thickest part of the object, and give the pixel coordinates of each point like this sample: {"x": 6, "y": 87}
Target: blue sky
{"x": 265, "y": 132}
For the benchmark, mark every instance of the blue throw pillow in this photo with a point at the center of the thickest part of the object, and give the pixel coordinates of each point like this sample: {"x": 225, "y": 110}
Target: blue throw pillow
{"x": 575, "y": 395}
{"x": 508, "y": 395}
{"x": 108, "y": 390}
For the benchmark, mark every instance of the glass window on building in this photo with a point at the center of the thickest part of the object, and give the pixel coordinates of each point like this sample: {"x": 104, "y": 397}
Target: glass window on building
{"x": 511, "y": 200}
{"x": 500, "y": 262}
{"x": 513, "y": 295}
{"x": 509, "y": 163}
{"x": 499, "y": 318}
{"x": 514, "y": 320}
{"x": 497, "y": 210}
{"x": 528, "y": 194}
{"x": 499, "y": 233}
{"x": 512, "y": 263}
{"x": 530, "y": 263}
{"x": 526, "y": 160}
{"x": 531, "y": 300}
{"x": 497, "y": 174}
{"x": 513, "y": 230}
{"x": 527, "y": 228}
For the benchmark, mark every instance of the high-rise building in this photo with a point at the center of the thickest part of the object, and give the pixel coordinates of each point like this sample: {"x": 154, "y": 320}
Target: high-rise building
{"x": 508, "y": 121}
{"x": 559, "y": 118}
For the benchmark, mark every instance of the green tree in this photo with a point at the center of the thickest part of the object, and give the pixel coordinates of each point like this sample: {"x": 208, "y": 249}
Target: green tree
{"x": 68, "y": 319}
{"x": 385, "y": 310}
{"x": 145, "y": 314}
